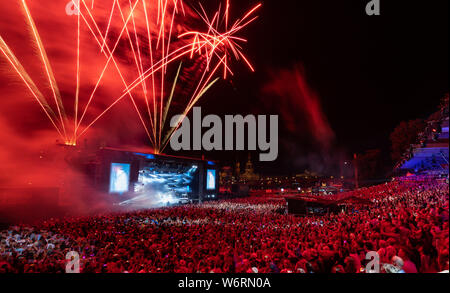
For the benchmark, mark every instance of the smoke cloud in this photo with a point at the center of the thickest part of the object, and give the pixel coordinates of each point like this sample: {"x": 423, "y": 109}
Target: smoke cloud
{"x": 303, "y": 119}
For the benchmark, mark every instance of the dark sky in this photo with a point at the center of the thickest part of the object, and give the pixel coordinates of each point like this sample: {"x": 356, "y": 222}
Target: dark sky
{"x": 369, "y": 72}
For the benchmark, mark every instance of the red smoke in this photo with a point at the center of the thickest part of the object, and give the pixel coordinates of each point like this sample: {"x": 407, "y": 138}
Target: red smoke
{"x": 298, "y": 104}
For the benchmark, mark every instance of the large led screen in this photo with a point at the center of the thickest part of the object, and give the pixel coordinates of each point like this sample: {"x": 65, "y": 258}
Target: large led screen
{"x": 211, "y": 179}
{"x": 119, "y": 180}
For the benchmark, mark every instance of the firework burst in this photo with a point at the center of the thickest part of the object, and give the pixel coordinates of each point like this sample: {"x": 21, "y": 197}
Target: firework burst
{"x": 148, "y": 29}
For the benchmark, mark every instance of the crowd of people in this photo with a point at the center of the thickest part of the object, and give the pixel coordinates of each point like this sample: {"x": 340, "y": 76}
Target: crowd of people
{"x": 406, "y": 226}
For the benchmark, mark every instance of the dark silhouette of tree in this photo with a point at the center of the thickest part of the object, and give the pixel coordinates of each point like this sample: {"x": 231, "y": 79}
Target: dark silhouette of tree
{"x": 404, "y": 135}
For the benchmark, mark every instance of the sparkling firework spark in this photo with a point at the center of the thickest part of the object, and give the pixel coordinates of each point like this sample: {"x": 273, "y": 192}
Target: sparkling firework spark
{"x": 153, "y": 47}
{"x": 214, "y": 46}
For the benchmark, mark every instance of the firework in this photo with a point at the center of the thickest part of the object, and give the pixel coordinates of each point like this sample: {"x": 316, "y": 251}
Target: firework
{"x": 214, "y": 46}
{"x": 17, "y": 66}
{"x": 156, "y": 49}
{"x": 48, "y": 69}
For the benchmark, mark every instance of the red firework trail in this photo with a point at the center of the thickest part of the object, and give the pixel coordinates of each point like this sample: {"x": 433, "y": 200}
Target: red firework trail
{"x": 215, "y": 45}
{"x": 154, "y": 50}
{"x": 110, "y": 57}
{"x": 211, "y": 44}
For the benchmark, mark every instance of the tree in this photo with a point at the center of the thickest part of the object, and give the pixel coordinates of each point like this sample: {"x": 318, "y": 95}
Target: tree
{"x": 404, "y": 135}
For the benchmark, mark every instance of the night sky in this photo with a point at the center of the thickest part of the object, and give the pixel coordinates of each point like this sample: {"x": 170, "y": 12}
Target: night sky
{"x": 370, "y": 73}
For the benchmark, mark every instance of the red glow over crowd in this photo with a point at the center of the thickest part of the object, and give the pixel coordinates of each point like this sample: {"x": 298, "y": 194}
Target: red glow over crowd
{"x": 407, "y": 225}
